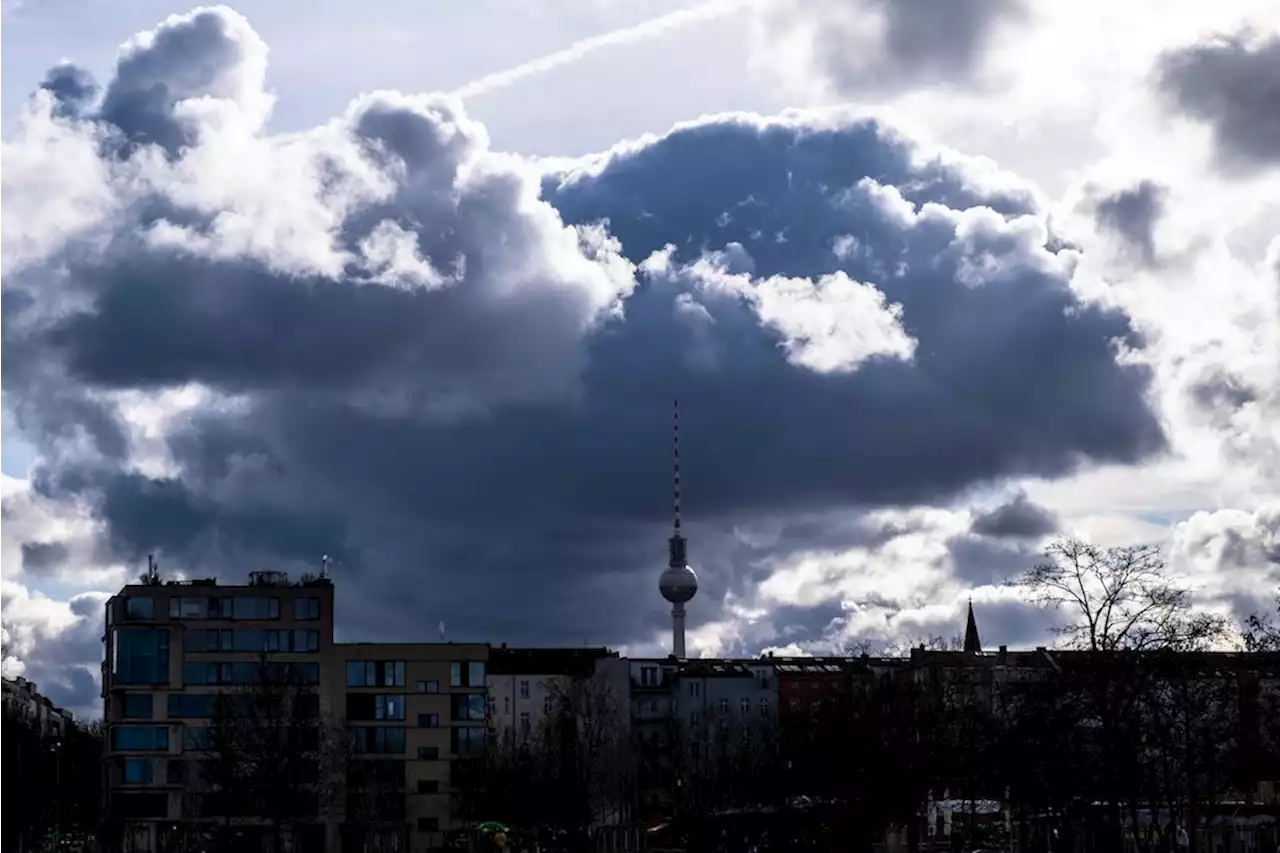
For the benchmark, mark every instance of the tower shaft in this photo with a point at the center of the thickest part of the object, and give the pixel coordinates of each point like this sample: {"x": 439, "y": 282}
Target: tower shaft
{"x": 677, "y": 631}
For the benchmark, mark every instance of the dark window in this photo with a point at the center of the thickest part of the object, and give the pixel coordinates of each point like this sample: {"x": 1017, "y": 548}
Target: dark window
{"x": 248, "y": 672}
{"x": 428, "y": 687}
{"x": 468, "y": 740}
{"x": 176, "y": 772}
{"x": 428, "y": 824}
{"x": 469, "y": 674}
{"x": 428, "y": 721}
{"x": 139, "y": 607}
{"x": 197, "y": 738}
{"x": 255, "y": 608}
{"x": 388, "y": 707}
{"x": 137, "y": 771}
{"x": 140, "y": 738}
{"x": 468, "y": 706}
{"x": 524, "y": 689}
{"x": 306, "y": 641}
{"x": 185, "y": 705}
{"x": 306, "y": 608}
{"x": 140, "y": 655}
{"x": 375, "y": 673}
{"x": 429, "y": 753}
{"x": 193, "y": 608}
{"x": 428, "y": 786}
{"x": 376, "y": 739}
{"x": 137, "y": 706}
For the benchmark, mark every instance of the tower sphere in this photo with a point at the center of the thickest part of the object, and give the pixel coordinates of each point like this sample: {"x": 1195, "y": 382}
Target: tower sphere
{"x": 678, "y": 584}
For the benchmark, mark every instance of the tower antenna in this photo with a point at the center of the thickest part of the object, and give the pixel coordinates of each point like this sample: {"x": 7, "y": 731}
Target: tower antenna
{"x": 678, "y": 583}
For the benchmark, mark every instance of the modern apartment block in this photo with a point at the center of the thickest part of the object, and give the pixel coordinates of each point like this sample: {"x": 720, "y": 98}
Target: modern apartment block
{"x": 171, "y": 648}
{"x": 397, "y": 719}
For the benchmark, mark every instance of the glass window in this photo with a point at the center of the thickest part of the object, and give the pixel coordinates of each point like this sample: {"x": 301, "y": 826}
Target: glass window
{"x": 428, "y": 721}
{"x": 140, "y": 655}
{"x": 306, "y": 608}
{"x": 475, "y": 673}
{"x": 724, "y": 706}
{"x": 137, "y": 706}
{"x": 429, "y": 753}
{"x": 468, "y": 740}
{"x": 428, "y": 824}
{"x": 745, "y": 706}
{"x": 184, "y": 705}
{"x": 196, "y": 738}
{"x": 428, "y": 786}
{"x": 524, "y": 722}
{"x": 377, "y": 739}
{"x": 428, "y": 687}
{"x": 455, "y": 674}
{"x": 393, "y": 673}
{"x": 140, "y": 607}
{"x": 255, "y": 608}
{"x": 137, "y": 771}
{"x": 524, "y": 690}
{"x": 355, "y": 673}
{"x": 190, "y": 608}
{"x": 388, "y": 707}
{"x": 306, "y": 641}
{"x": 468, "y": 706}
{"x": 140, "y": 737}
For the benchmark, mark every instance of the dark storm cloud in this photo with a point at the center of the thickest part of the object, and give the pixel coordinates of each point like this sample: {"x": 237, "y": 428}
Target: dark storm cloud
{"x": 72, "y": 86}
{"x": 1230, "y": 84}
{"x": 43, "y": 557}
{"x": 1132, "y": 214}
{"x": 494, "y": 450}
{"x": 884, "y": 46}
{"x": 1019, "y": 518}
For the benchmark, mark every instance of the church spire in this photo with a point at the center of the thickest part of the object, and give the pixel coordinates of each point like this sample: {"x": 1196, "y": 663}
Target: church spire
{"x": 972, "y": 643}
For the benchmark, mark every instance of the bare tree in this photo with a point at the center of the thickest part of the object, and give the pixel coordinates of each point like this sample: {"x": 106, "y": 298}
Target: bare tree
{"x": 268, "y": 757}
{"x": 1261, "y": 633}
{"x": 584, "y": 736}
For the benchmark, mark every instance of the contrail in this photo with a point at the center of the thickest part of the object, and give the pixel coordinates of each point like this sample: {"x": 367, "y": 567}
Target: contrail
{"x": 579, "y": 49}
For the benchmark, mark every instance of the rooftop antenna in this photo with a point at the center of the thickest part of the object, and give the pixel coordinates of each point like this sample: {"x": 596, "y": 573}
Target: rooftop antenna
{"x": 678, "y": 584}
{"x": 324, "y": 566}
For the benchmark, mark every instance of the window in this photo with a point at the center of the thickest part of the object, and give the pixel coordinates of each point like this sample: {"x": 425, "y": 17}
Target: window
{"x": 745, "y": 707}
{"x": 306, "y": 641}
{"x": 649, "y": 676}
{"x": 175, "y": 772}
{"x": 695, "y": 688}
{"x": 128, "y": 738}
{"x": 428, "y": 721}
{"x": 694, "y": 719}
{"x": 187, "y": 705}
{"x": 140, "y": 655}
{"x": 193, "y": 608}
{"x": 196, "y": 738}
{"x": 467, "y": 740}
{"x": 524, "y": 690}
{"x": 428, "y": 824}
{"x": 428, "y": 786}
{"x": 306, "y": 608}
{"x": 724, "y": 706}
{"x": 388, "y": 707}
{"x": 468, "y": 706}
{"x": 248, "y": 672}
{"x": 493, "y": 707}
{"x": 375, "y": 673}
{"x": 524, "y": 723}
{"x": 377, "y": 739}
{"x": 255, "y": 608}
{"x": 137, "y": 706}
{"x": 249, "y": 640}
{"x": 506, "y": 704}
{"x": 547, "y": 702}
{"x": 429, "y": 753}
{"x": 428, "y": 687}
{"x": 470, "y": 674}
{"x": 795, "y": 704}
{"x": 139, "y": 607}
{"x": 137, "y": 771}
{"x": 764, "y": 707}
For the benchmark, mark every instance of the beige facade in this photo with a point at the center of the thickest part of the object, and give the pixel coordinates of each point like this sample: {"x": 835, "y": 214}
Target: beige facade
{"x": 422, "y": 709}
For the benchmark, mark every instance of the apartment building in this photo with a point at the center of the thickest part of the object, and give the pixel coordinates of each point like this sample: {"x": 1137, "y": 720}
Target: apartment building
{"x": 24, "y": 699}
{"x": 416, "y": 716}
{"x": 171, "y": 647}
{"x": 524, "y": 685}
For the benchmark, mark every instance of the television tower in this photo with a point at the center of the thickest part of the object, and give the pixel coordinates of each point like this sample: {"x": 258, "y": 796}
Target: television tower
{"x": 678, "y": 583}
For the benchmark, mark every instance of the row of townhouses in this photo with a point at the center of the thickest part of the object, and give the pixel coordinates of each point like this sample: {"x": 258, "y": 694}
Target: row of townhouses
{"x": 23, "y": 699}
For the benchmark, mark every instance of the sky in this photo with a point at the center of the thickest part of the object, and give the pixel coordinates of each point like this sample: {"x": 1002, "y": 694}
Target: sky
{"x": 414, "y": 286}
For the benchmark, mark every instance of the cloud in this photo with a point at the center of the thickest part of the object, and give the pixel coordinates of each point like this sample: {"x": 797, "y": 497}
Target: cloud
{"x": 1020, "y": 518}
{"x": 451, "y": 368}
{"x": 1132, "y": 214}
{"x": 859, "y": 47}
{"x": 1228, "y": 82}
